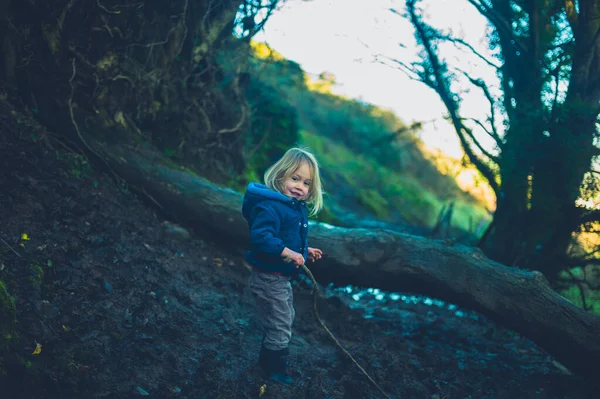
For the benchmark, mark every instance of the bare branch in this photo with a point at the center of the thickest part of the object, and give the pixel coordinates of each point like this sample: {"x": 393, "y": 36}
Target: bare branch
{"x": 462, "y": 42}
{"x": 408, "y": 70}
{"x": 480, "y": 124}
{"x": 106, "y": 9}
{"x": 492, "y": 118}
{"x": 11, "y": 248}
{"x": 239, "y": 125}
{"x": 270, "y": 8}
{"x": 251, "y": 10}
{"x": 486, "y": 153}
{"x": 491, "y": 134}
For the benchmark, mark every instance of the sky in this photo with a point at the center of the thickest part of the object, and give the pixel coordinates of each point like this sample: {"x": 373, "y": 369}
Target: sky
{"x": 345, "y": 36}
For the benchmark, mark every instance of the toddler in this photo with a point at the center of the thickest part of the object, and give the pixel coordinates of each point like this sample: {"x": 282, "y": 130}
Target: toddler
{"x": 277, "y": 214}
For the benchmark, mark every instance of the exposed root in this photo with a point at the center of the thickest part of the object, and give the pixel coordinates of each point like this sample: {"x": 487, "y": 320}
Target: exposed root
{"x": 76, "y": 126}
{"x": 106, "y": 9}
{"x": 239, "y": 125}
{"x": 185, "y": 28}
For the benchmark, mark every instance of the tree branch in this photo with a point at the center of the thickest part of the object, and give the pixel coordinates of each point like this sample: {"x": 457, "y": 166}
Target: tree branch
{"x": 582, "y": 261}
{"x": 461, "y": 130}
{"x": 476, "y": 142}
{"x": 590, "y": 216}
{"x": 519, "y": 299}
{"x": 492, "y": 119}
{"x": 581, "y": 289}
{"x": 499, "y": 21}
{"x": 251, "y": 10}
{"x": 433, "y": 76}
{"x": 462, "y": 42}
{"x": 408, "y": 70}
{"x": 556, "y": 75}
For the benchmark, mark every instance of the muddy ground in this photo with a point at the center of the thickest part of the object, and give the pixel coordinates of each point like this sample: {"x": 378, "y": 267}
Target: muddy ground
{"x": 121, "y": 303}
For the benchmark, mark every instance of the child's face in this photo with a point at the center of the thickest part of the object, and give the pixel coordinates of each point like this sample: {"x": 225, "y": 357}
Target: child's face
{"x": 297, "y": 185}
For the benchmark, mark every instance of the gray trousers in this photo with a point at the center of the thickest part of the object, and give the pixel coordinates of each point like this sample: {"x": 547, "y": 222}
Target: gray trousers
{"x": 275, "y": 307}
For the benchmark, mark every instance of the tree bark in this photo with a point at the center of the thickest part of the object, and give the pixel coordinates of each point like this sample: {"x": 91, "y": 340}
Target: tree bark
{"x": 518, "y": 299}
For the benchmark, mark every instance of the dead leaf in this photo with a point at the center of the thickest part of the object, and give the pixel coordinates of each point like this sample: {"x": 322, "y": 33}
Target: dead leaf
{"x": 262, "y": 391}
{"x": 218, "y": 262}
{"x": 38, "y": 349}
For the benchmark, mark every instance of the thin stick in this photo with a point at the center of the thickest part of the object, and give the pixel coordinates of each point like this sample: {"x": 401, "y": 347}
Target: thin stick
{"x": 315, "y": 294}
{"x": 11, "y": 248}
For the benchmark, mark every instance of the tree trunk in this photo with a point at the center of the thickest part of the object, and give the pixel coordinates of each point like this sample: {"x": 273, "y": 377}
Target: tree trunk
{"x": 561, "y": 157}
{"x": 518, "y": 299}
{"x": 547, "y": 149}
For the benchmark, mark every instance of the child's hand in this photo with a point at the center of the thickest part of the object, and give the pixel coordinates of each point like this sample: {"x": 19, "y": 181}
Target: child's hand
{"x": 290, "y": 256}
{"x": 314, "y": 254}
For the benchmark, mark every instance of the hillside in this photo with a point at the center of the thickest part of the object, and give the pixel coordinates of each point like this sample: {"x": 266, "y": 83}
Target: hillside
{"x": 374, "y": 166}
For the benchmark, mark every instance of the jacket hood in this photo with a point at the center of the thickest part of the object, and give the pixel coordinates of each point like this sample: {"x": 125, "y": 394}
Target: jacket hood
{"x": 257, "y": 192}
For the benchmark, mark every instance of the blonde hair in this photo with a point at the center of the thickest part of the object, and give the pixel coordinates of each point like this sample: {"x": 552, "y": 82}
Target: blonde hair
{"x": 287, "y": 165}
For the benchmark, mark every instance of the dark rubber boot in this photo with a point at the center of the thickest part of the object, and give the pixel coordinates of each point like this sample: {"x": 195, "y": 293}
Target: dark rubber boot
{"x": 273, "y": 362}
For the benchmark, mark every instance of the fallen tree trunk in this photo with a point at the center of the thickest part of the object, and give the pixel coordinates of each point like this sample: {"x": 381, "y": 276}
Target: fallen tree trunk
{"x": 518, "y": 299}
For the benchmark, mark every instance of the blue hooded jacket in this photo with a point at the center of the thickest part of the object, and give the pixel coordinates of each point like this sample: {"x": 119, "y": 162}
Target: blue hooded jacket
{"x": 275, "y": 222}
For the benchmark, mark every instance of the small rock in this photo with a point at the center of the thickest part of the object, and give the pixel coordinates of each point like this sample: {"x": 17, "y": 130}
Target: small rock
{"x": 107, "y": 286}
{"x": 47, "y": 309}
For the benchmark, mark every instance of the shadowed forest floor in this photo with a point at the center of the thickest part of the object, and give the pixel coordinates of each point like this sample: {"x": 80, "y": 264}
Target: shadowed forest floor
{"x": 126, "y": 305}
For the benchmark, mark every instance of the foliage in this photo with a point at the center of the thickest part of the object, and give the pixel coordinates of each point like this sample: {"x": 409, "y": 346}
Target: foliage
{"x": 273, "y": 129}
{"x": 77, "y": 165}
{"x": 581, "y": 285}
{"x": 373, "y": 202}
{"x": 356, "y": 124}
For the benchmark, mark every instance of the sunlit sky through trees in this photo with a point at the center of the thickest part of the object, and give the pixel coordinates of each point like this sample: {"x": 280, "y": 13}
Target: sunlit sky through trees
{"x": 351, "y": 39}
